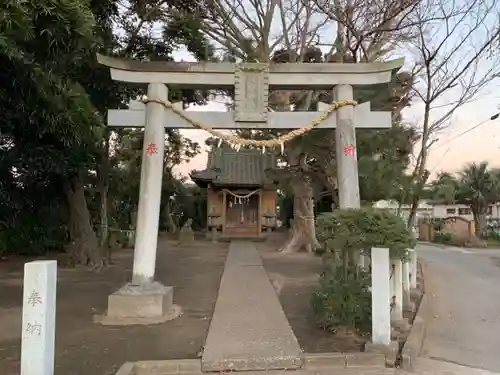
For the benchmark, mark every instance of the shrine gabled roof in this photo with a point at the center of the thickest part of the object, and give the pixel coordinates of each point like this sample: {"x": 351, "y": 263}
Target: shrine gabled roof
{"x": 226, "y": 166}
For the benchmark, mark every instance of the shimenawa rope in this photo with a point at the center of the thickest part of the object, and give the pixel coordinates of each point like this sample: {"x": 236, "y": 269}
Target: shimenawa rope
{"x": 236, "y": 141}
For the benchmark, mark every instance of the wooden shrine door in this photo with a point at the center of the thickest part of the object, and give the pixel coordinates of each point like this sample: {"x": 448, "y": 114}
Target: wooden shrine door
{"x": 242, "y": 215}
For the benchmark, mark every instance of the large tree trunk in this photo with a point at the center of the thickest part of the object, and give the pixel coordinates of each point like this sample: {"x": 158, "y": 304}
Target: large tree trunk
{"x": 420, "y": 174}
{"x": 84, "y": 245}
{"x": 104, "y": 227}
{"x": 480, "y": 221}
{"x": 103, "y": 187}
{"x": 304, "y": 231}
{"x": 415, "y": 200}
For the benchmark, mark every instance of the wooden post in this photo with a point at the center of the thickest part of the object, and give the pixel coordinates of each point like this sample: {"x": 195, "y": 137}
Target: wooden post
{"x": 210, "y": 220}
{"x": 397, "y": 311}
{"x": 214, "y": 234}
{"x": 259, "y": 214}
{"x": 392, "y": 288}
{"x": 224, "y": 209}
{"x": 39, "y": 318}
{"x": 406, "y": 286}
{"x": 413, "y": 268}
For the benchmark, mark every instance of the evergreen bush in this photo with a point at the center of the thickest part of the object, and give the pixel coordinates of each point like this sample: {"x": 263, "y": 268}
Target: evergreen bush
{"x": 358, "y": 230}
{"x": 342, "y": 298}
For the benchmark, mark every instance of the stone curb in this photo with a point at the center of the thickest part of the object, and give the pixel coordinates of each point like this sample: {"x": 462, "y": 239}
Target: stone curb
{"x": 318, "y": 361}
{"x": 174, "y": 366}
{"x": 413, "y": 344}
{"x": 126, "y": 369}
{"x": 313, "y": 362}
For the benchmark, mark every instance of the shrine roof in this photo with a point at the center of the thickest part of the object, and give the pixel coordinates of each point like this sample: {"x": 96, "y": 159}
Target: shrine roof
{"x": 226, "y": 167}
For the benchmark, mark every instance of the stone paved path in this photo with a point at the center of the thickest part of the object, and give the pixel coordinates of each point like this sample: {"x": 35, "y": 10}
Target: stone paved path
{"x": 464, "y": 293}
{"x": 249, "y": 330}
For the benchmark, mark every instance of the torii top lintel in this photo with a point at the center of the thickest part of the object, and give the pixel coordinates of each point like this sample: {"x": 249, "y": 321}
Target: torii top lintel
{"x": 278, "y": 76}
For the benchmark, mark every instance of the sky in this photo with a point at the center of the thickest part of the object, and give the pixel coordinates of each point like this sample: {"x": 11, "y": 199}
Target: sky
{"x": 450, "y": 153}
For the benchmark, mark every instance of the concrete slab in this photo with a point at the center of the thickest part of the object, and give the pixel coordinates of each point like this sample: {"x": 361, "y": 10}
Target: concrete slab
{"x": 249, "y": 330}
{"x": 242, "y": 254}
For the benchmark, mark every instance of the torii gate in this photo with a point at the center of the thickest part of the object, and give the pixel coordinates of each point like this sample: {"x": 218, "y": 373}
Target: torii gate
{"x": 251, "y": 82}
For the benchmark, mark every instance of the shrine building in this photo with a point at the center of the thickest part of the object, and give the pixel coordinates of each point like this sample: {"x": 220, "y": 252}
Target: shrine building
{"x": 241, "y": 198}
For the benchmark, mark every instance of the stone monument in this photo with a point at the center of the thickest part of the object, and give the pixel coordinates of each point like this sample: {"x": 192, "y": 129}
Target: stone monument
{"x": 39, "y": 318}
{"x": 186, "y": 235}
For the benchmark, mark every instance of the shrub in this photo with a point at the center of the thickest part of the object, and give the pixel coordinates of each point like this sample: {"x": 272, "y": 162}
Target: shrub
{"x": 343, "y": 299}
{"x": 443, "y": 238}
{"x": 447, "y": 238}
{"x": 358, "y": 230}
{"x": 493, "y": 236}
{"x": 474, "y": 241}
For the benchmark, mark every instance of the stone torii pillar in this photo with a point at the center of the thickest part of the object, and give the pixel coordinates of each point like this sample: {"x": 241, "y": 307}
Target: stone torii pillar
{"x": 347, "y": 155}
{"x": 146, "y": 237}
{"x": 346, "y": 150}
{"x": 145, "y": 301}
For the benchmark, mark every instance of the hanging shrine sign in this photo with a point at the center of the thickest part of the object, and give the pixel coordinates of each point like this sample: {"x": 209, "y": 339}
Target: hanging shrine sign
{"x": 251, "y": 89}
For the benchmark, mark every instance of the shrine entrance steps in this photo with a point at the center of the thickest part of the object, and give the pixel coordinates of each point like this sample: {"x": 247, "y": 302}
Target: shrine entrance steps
{"x": 240, "y": 237}
{"x": 249, "y": 332}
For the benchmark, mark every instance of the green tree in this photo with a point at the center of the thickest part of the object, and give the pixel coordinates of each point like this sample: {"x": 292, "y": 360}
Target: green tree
{"x": 54, "y": 150}
{"x": 125, "y": 174}
{"x": 444, "y": 188}
{"x": 475, "y": 185}
{"x": 48, "y": 122}
{"x": 479, "y": 187}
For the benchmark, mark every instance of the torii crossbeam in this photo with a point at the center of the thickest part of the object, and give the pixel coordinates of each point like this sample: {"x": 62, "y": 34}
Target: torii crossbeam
{"x": 135, "y": 117}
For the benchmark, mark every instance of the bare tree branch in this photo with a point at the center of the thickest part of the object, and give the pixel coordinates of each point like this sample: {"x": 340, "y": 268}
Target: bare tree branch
{"x": 453, "y": 65}
{"x": 371, "y": 27}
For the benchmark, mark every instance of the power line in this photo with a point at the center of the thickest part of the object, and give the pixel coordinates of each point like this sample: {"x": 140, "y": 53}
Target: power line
{"x": 494, "y": 117}
{"x": 440, "y": 160}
